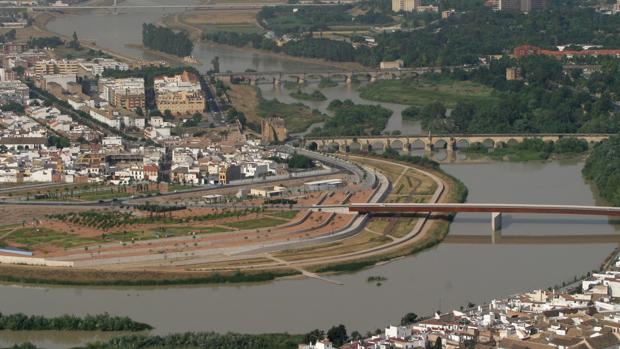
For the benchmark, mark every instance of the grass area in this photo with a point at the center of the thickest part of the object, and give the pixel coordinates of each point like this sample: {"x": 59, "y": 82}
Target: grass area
{"x": 76, "y": 277}
{"x": 421, "y": 91}
{"x": 257, "y": 223}
{"x": 177, "y": 231}
{"x": 362, "y": 241}
{"x": 297, "y": 117}
{"x": 283, "y": 214}
{"x": 33, "y": 237}
{"x": 402, "y": 227}
{"x": 232, "y": 27}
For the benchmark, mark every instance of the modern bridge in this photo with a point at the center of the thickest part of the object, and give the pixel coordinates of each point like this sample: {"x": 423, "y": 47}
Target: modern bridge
{"x": 431, "y": 141}
{"x": 496, "y": 210}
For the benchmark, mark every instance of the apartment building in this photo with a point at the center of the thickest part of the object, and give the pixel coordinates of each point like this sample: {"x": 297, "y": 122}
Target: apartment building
{"x": 53, "y": 66}
{"x": 181, "y": 94}
{"x": 123, "y": 93}
{"x": 406, "y": 5}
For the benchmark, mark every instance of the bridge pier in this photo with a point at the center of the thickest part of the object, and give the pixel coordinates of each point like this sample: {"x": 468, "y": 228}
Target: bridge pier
{"x": 451, "y": 145}
{"x": 348, "y": 79}
{"x": 496, "y": 221}
{"x": 277, "y": 81}
{"x": 496, "y": 237}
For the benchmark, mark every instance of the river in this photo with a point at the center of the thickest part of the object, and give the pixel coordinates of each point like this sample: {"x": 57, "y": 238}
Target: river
{"x": 441, "y": 278}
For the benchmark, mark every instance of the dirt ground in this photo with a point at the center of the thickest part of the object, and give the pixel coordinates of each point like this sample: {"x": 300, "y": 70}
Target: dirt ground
{"x": 245, "y": 99}
{"x": 20, "y": 214}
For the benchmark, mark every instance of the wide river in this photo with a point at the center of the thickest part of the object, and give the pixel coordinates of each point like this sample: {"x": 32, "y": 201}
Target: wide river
{"x": 442, "y": 278}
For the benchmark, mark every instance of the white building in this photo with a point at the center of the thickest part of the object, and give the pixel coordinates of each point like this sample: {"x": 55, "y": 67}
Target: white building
{"x": 397, "y": 332}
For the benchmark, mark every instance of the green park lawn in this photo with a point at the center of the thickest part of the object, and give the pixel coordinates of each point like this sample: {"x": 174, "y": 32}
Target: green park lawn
{"x": 257, "y": 223}
{"x": 420, "y": 92}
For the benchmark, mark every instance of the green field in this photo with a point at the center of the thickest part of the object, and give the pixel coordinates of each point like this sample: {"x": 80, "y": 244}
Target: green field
{"x": 236, "y": 28}
{"x": 177, "y": 231}
{"x": 32, "y": 237}
{"x": 258, "y": 223}
{"x": 420, "y": 92}
{"x": 283, "y": 214}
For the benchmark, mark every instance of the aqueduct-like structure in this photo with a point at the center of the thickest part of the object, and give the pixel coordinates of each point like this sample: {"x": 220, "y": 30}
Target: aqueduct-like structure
{"x": 301, "y": 77}
{"x": 439, "y": 141}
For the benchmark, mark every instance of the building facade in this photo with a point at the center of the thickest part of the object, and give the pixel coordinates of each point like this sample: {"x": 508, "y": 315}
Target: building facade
{"x": 405, "y": 5}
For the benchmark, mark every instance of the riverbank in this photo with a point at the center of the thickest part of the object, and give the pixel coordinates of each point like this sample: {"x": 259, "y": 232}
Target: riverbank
{"x": 89, "y": 277}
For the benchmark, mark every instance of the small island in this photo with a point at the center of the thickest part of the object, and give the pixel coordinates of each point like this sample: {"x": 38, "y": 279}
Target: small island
{"x": 316, "y": 95}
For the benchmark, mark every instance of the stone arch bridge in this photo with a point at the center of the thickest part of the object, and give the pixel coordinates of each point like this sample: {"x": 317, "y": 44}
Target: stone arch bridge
{"x": 439, "y": 141}
{"x": 277, "y": 77}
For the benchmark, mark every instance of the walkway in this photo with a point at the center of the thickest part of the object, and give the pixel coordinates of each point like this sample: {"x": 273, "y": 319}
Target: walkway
{"x": 303, "y": 271}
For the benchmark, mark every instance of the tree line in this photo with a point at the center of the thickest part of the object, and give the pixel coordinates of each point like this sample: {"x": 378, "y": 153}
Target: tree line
{"x": 353, "y": 119}
{"x": 166, "y": 40}
{"x": 602, "y": 168}
{"x": 102, "y": 322}
{"x": 545, "y": 100}
{"x": 462, "y": 39}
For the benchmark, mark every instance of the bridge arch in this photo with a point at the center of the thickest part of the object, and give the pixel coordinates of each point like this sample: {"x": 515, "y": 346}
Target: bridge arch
{"x": 440, "y": 144}
{"x": 512, "y": 142}
{"x": 461, "y": 143}
{"x": 397, "y": 144}
{"x": 488, "y": 143}
{"x": 377, "y": 145}
{"x": 355, "y": 147}
{"x": 333, "y": 146}
{"x": 418, "y": 143}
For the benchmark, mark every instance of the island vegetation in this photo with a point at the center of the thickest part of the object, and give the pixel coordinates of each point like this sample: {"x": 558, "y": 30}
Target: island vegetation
{"x": 353, "y": 119}
{"x": 166, "y": 40}
{"x": 531, "y": 149}
{"x": 316, "y": 95}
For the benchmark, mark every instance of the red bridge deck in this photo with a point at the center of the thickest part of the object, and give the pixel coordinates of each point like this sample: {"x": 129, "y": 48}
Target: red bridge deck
{"x": 489, "y": 208}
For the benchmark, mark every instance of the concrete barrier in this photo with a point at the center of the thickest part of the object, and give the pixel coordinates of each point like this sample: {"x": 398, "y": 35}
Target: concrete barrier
{"x": 34, "y": 261}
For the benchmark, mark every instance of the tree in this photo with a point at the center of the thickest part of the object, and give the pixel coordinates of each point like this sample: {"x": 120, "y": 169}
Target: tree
{"x": 314, "y": 336}
{"x": 216, "y": 64}
{"x": 409, "y": 319}
{"x": 168, "y": 115}
{"x": 75, "y": 42}
{"x": 338, "y": 335}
